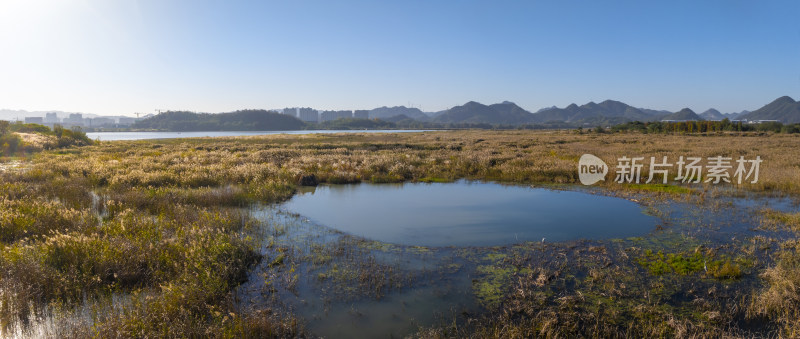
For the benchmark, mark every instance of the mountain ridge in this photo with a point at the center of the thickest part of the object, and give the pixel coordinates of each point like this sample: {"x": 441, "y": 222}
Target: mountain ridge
{"x": 685, "y": 114}
{"x": 475, "y": 112}
{"x": 783, "y": 109}
{"x": 242, "y": 120}
{"x": 385, "y": 112}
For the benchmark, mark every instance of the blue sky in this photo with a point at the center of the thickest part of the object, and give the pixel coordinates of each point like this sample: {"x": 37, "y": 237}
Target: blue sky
{"x": 120, "y": 57}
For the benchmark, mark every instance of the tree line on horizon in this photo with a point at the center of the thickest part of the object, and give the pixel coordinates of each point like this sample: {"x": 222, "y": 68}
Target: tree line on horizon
{"x": 263, "y": 120}
{"x": 703, "y": 126}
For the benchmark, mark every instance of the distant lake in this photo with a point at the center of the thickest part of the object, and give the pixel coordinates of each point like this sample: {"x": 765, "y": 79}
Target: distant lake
{"x": 110, "y": 136}
{"x": 469, "y": 213}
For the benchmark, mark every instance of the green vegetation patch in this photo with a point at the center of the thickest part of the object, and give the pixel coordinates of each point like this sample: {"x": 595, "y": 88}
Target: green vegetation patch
{"x": 660, "y": 188}
{"x": 659, "y": 263}
{"x": 435, "y": 179}
{"x": 492, "y": 284}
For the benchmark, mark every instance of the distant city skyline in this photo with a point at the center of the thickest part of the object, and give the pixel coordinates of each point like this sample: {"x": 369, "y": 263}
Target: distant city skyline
{"x": 120, "y": 57}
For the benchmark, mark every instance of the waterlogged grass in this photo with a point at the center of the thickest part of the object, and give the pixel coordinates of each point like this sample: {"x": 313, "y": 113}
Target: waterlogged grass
{"x": 660, "y": 188}
{"x": 772, "y": 219}
{"x": 164, "y": 225}
{"x": 186, "y": 255}
{"x": 778, "y": 300}
{"x": 338, "y": 266}
{"x": 193, "y": 257}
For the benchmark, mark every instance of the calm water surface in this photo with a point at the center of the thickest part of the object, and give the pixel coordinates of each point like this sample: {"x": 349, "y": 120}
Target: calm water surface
{"x": 469, "y": 214}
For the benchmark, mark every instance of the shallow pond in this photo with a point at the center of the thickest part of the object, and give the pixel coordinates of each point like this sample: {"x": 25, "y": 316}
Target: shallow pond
{"x": 468, "y": 213}
{"x": 384, "y": 260}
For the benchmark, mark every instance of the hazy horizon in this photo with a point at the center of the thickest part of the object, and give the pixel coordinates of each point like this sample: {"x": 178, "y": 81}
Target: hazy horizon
{"x": 117, "y": 58}
{"x": 532, "y": 110}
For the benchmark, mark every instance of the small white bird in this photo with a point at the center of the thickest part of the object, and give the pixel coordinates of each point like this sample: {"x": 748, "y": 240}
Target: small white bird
{"x": 542, "y": 240}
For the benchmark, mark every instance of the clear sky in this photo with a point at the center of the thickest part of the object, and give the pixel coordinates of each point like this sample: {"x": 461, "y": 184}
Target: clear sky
{"x": 120, "y": 57}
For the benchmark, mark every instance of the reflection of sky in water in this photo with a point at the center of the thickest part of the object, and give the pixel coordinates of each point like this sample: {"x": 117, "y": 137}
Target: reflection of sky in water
{"x": 466, "y": 213}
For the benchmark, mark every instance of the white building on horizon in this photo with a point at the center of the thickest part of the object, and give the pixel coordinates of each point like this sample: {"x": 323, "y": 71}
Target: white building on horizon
{"x": 308, "y": 114}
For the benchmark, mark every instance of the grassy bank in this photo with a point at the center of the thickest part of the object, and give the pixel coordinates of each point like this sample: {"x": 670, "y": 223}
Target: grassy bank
{"x": 159, "y": 223}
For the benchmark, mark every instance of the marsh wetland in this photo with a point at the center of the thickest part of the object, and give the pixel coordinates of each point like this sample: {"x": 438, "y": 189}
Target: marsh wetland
{"x": 431, "y": 234}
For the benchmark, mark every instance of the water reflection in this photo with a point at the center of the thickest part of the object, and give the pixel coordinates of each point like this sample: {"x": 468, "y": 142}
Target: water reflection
{"x": 469, "y": 214}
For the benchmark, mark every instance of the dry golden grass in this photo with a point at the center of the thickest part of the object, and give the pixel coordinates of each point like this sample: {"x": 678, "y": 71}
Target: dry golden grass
{"x": 166, "y": 200}
{"x": 38, "y": 141}
{"x": 509, "y": 156}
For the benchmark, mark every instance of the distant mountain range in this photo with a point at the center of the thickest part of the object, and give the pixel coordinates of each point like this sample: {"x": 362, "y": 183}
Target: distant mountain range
{"x": 608, "y": 112}
{"x": 592, "y": 112}
{"x": 783, "y": 109}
